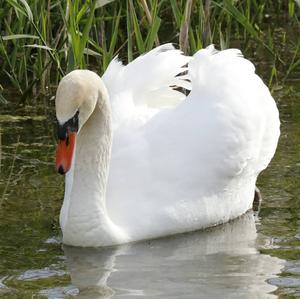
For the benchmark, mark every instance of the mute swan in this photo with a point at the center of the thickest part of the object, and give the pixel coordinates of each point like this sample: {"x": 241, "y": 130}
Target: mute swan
{"x": 149, "y": 162}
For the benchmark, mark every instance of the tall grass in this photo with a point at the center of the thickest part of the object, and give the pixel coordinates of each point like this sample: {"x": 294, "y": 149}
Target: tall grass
{"x": 41, "y": 40}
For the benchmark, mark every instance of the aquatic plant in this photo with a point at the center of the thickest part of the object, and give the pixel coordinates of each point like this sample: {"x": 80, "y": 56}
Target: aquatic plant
{"x": 42, "y": 40}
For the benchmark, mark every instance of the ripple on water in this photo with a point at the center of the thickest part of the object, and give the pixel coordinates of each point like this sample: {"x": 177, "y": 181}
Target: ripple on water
{"x": 40, "y": 274}
{"x": 287, "y": 281}
{"x": 3, "y": 287}
{"x": 56, "y": 240}
{"x": 292, "y": 267}
{"x": 60, "y": 292}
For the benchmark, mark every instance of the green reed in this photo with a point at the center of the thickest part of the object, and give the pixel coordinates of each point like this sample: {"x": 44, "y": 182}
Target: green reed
{"x": 41, "y": 40}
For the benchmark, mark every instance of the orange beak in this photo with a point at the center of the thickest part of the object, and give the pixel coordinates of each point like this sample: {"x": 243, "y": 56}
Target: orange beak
{"x": 64, "y": 152}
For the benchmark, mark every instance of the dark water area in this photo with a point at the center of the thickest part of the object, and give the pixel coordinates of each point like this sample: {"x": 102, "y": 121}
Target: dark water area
{"x": 252, "y": 257}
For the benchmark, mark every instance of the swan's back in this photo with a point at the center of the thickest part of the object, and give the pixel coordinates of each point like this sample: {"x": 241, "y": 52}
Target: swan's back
{"x": 195, "y": 163}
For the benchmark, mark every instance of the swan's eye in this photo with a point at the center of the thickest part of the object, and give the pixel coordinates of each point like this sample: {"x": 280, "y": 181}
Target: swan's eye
{"x": 61, "y": 132}
{"x": 69, "y": 126}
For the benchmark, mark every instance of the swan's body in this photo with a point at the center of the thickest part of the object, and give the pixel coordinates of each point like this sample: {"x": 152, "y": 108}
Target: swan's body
{"x": 149, "y": 163}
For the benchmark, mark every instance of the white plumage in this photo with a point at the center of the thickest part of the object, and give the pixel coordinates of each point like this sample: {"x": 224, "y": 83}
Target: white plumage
{"x": 176, "y": 164}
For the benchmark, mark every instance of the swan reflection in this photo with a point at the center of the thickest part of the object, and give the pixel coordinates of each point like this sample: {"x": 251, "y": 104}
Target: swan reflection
{"x": 222, "y": 262}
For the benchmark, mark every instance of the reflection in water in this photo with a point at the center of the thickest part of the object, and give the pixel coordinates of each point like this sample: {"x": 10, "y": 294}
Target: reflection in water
{"x": 220, "y": 263}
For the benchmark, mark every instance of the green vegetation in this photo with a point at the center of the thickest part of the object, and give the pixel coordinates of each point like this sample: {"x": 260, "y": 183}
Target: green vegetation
{"x": 41, "y": 40}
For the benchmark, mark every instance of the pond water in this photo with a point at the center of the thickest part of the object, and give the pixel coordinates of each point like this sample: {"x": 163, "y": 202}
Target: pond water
{"x": 256, "y": 256}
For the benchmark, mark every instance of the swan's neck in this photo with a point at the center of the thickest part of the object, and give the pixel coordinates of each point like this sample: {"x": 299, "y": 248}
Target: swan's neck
{"x": 84, "y": 215}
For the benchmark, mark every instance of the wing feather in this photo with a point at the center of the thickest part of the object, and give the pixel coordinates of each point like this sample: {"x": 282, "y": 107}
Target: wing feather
{"x": 148, "y": 82}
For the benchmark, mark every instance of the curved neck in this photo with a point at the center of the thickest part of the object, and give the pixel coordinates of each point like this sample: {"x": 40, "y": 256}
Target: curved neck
{"x": 85, "y": 215}
{"x": 92, "y": 156}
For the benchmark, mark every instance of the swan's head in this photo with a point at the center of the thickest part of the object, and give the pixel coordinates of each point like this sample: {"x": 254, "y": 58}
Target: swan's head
{"x": 76, "y": 97}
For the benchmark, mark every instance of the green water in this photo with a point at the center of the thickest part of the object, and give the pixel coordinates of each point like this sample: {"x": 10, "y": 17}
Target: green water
{"x": 244, "y": 259}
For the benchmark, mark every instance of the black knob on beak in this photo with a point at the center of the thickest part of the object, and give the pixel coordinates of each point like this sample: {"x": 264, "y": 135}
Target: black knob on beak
{"x": 61, "y": 170}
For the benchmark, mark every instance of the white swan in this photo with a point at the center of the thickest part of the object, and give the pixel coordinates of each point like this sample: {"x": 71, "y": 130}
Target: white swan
{"x": 149, "y": 162}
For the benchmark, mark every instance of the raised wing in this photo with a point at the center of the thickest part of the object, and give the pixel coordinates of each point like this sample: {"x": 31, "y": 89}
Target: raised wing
{"x": 146, "y": 85}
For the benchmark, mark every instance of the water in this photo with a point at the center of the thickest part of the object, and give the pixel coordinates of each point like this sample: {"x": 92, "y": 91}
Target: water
{"x": 252, "y": 257}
